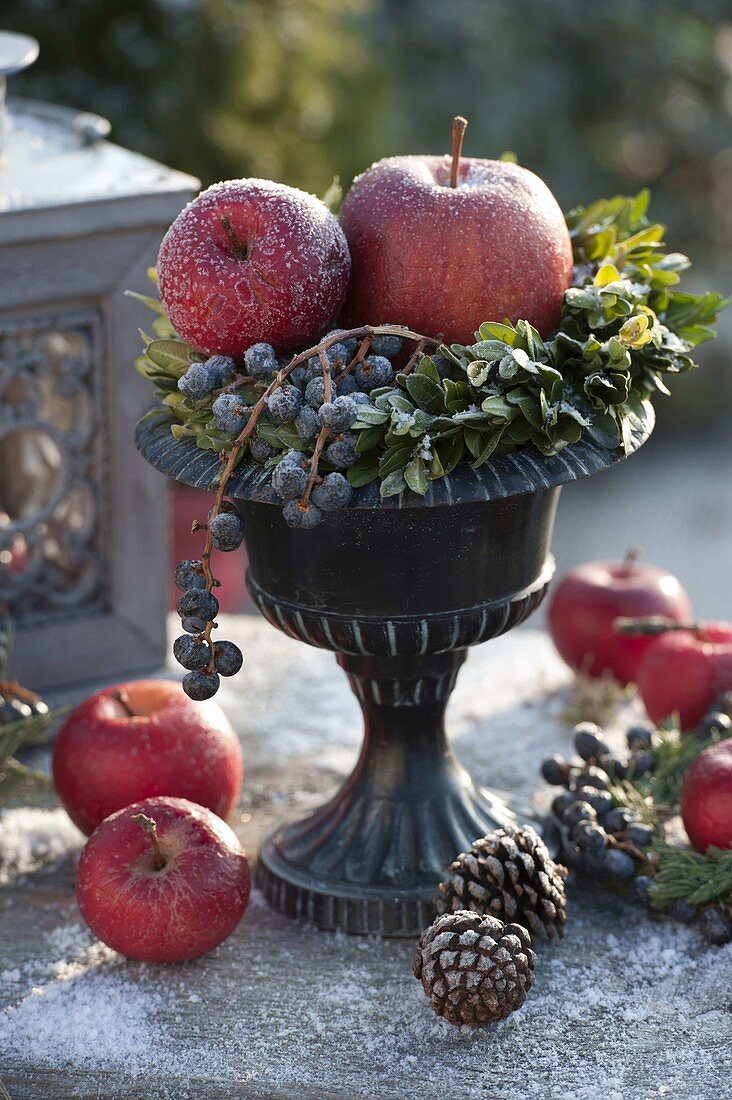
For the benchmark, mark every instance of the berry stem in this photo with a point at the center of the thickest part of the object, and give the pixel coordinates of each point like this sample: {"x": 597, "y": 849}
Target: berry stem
{"x": 149, "y": 826}
{"x": 124, "y": 701}
{"x": 653, "y": 624}
{"x": 413, "y": 358}
{"x": 459, "y": 126}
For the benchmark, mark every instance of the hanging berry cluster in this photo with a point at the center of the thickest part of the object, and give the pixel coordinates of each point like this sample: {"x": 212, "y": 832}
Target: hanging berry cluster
{"x": 319, "y": 394}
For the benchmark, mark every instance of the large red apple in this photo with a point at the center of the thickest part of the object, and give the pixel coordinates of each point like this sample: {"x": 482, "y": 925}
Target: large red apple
{"x": 251, "y": 261}
{"x": 142, "y": 739}
{"x": 442, "y": 259}
{"x": 162, "y": 881}
{"x": 683, "y": 672}
{"x": 706, "y": 798}
{"x": 586, "y": 603}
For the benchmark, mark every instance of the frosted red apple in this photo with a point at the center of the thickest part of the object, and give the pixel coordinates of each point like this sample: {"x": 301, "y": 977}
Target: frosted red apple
{"x": 250, "y": 261}
{"x": 586, "y": 603}
{"x": 443, "y": 259}
{"x": 706, "y": 798}
{"x": 141, "y": 739}
{"x": 683, "y": 672}
{"x": 163, "y": 881}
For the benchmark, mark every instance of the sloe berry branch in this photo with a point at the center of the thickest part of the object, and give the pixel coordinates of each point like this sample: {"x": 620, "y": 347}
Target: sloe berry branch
{"x": 202, "y": 681}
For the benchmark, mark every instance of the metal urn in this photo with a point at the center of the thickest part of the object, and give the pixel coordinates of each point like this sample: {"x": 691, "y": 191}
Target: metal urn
{"x": 399, "y": 590}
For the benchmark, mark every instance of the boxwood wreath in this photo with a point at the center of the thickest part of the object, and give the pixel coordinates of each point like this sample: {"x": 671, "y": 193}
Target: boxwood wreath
{"x": 625, "y": 326}
{"x": 385, "y": 403}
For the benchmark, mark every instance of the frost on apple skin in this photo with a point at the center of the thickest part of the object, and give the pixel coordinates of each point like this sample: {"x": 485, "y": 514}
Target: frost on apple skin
{"x": 445, "y": 259}
{"x": 286, "y": 292}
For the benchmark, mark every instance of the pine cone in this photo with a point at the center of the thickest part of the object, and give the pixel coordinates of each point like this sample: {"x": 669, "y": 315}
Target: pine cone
{"x": 475, "y": 969}
{"x": 510, "y": 875}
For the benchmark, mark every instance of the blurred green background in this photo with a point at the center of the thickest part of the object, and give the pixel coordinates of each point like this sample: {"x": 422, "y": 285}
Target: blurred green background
{"x": 596, "y": 98}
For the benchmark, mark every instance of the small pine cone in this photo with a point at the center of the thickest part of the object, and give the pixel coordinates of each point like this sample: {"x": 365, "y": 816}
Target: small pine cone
{"x": 475, "y": 969}
{"x": 510, "y": 875}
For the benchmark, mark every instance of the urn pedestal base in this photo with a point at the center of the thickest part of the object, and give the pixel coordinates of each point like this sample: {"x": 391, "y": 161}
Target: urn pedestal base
{"x": 369, "y": 860}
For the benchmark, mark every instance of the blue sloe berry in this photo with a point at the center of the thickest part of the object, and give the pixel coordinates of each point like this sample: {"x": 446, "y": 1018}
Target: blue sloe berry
{"x": 579, "y": 811}
{"x": 284, "y": 404}
{"x": 386, "y": 345}
{"x": 190, "y": 652}
{"x": 299, "y": 514}
{"x": 616, "y": 864}
{"x": 350, "y": 343}
{"x": 588, "y": 742}
{"x": 589, "y": 837}
{"x": 555, "y": 770}
{"x": 361, "y": 398}
{"x": 639, "y": 834}
{"x": 193, "y": 624}
{"x": 338, "y": 415}
{"x": 618, "y": 819}
{"x": 716, "y": 724}
{"x": 299, "y": 377}
{"x": 260, "y": 360}
{"x": 307, "y": 424}
{"x": 231, "y": 413}
{"x": 222, "y": 369}
{"x": 342, "y": 453}
{"x": 260, "y": 449}
{"x": 227, "y": 531}
{"x": 347, "y": 386}
{"x": 639, "y": 737}
{"x": 198, "y": 603}
{"x": 189, "y": 574}
{"x": 374, "y": 371}
{"x": 592, "y": 777}
{"x": 197, "y": 382}
{"x": 200, "y": 685}
{"x": 315, "y": 392}
{"x": 289, "y": 480}
{"x": 562, "y": 802}
{"x": 228, "y": 658}
{"x": 334, "y": 493}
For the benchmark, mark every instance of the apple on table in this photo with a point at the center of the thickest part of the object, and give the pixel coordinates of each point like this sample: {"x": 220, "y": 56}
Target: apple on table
{"x": 163, "y": 881}
{"x": 588, "y": 602}
{"x": 140, "y": 739}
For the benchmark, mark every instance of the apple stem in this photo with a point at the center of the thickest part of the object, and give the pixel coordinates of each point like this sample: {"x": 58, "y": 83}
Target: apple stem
{"x": 652, "y": 624}
{"x": 124, "y": 701}
{"x": 632, "y": 554}
{"x": 459, "y": 126}
{"x": 150, "y": 826}
{"x": 242, "y": 250}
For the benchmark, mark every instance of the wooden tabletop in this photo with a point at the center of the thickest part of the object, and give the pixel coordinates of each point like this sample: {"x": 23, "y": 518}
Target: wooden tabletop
{"x": 623, "y": 1008}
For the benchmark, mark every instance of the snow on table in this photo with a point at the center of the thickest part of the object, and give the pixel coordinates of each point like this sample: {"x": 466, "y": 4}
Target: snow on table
{"x": 622, "y": 1008}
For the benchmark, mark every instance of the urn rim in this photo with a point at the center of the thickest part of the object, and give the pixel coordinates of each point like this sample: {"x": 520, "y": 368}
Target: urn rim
{"x": 526, "y": 471}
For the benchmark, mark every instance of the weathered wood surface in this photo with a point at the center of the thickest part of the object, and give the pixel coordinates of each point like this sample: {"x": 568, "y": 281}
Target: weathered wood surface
{"x": 623, "y": 1008}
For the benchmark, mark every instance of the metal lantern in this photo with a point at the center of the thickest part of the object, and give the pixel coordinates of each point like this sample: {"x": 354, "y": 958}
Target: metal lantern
{"x": 83, "y": 521}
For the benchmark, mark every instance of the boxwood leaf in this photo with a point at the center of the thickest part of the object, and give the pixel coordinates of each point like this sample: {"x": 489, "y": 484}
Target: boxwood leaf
{"x": 393, "y": 484}
{"x": 428, "y": 394}
{"x": 363, "y": 472}
{"x": 173, "y": 356}
{"x": 415, "y": 475}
